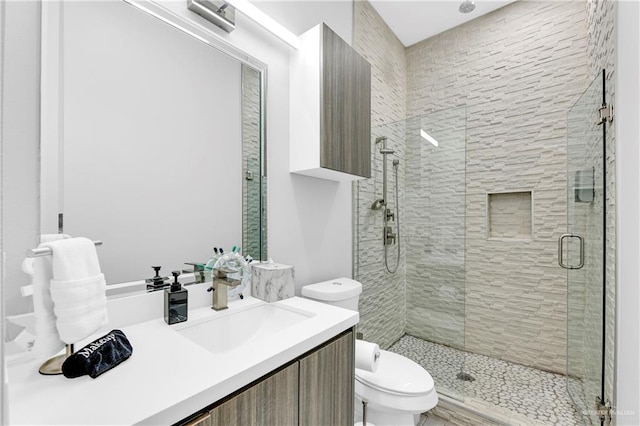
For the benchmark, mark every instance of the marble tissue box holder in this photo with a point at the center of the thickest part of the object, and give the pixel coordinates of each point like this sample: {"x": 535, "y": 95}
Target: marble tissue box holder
{"x": 272, "y": 282}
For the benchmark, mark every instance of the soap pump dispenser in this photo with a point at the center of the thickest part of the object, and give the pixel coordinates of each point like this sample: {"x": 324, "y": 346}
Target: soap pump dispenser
{"x": 175, "y": 301}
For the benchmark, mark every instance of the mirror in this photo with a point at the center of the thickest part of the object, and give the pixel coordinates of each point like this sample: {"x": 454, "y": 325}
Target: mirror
{"x": 153, "y": 140}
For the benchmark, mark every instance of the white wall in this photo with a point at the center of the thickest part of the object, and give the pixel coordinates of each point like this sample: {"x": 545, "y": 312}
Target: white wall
{"x": 627, "y": 113}
{"x": 298, "y": 16}
{"x": 4, "y": 406}
{"x": 152, "y": 141}
{"x": 20, "y": 144}
{"x": 309, "y": 220}
{"x": 19, "y": 92}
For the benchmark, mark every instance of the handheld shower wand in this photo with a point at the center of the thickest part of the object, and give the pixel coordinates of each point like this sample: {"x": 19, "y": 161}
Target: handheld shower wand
{"x": 382, "y": 202}
{"x": 388, "y": 236}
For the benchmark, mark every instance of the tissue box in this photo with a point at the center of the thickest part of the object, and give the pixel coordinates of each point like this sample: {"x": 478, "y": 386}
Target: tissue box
{"x": 272, "y": 281}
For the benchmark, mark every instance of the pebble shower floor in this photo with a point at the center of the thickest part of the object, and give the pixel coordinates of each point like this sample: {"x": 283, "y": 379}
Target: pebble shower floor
{"x": 536, "y": 395}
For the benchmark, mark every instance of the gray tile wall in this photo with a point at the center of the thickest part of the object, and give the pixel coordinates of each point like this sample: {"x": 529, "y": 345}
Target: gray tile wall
{"x": 517, "y": 70}
{"x": 435, "y": 204}
{"x": 382, "y": 303}
{"x": 251, "y": 162}
{"x": 509, "y": 215}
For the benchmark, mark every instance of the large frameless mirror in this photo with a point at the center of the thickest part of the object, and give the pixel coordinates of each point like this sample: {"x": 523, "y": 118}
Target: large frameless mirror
{"x": 154, "y": 139}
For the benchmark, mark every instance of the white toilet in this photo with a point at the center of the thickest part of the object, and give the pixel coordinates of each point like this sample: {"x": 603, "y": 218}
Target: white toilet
{"x": 400, "y": 390}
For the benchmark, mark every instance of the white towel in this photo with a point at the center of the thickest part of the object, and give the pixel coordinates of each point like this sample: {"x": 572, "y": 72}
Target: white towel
{"x": 27, "y": 263}
{"x": 78, "y": 289}
{"x": 47, "y": 341}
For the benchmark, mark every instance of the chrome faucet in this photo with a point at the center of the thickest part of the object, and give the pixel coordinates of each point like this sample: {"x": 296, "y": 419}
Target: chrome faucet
{"x": 221, "y": 282}
{"x": 198, "y": 272}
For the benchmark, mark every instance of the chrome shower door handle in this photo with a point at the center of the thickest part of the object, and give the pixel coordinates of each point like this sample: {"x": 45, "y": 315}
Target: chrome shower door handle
{"x": 561, "y": 251}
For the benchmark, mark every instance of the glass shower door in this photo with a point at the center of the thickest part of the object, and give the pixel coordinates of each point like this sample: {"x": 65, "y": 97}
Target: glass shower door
{"x": 582, "y": 250}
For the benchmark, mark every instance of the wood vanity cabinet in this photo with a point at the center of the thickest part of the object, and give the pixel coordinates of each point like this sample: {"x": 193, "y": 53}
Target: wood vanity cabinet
{"x": 330, "y": 114}
{"x": 315, "y": 389}
{"x": 326, "y": 384}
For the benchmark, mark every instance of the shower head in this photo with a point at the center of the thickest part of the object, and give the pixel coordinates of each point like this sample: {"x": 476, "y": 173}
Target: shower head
{"x": 383, "y": 148}
{"x": 378, "y": 204}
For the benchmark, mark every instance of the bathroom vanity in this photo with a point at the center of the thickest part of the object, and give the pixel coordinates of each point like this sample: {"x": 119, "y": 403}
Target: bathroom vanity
{"x": 314, "y": 389}
{"x": 289, "y": 362}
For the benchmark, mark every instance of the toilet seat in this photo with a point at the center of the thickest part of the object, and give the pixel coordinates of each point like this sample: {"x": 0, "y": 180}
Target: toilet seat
{"x": 397, "y": 375}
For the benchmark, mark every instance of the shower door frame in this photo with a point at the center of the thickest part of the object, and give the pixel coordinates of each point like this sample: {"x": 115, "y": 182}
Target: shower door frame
{"x": 603, "y": 409}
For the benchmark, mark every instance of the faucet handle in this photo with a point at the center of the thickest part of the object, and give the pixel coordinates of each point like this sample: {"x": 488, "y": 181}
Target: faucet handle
{"x": 156, "y": 282}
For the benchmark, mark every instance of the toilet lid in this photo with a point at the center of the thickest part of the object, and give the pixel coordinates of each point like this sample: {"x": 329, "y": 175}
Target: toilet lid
{"x": 397, "y": 374}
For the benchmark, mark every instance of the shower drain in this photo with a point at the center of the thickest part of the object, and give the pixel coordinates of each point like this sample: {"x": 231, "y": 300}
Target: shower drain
{"x": 465, "y": 377}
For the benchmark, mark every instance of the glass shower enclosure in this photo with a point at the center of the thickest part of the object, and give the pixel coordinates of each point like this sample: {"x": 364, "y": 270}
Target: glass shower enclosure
{"x": 582, "y": 250}
{"x": 426, "y": 308}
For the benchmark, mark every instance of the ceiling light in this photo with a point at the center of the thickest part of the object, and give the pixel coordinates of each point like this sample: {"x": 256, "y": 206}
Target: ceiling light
{"x": 467, "y": 6}
{"x": 270, "y": 24}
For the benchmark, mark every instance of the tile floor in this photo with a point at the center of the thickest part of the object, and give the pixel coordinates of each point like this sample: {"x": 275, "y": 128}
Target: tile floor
{"x": 536, "y": 397}
{"x": 431, "y": 420}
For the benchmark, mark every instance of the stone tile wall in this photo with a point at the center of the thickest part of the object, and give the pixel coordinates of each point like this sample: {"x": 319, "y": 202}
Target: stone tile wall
{"x": 251, "y": 162}
{"x": 435, "y": 204}
{"x": 382, "y": 303}
{"x": 517, "y": 71}
{"x": 509, "y": 215}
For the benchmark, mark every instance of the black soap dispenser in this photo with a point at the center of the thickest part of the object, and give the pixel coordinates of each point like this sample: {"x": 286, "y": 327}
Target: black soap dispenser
{"x": 175, "y": 301}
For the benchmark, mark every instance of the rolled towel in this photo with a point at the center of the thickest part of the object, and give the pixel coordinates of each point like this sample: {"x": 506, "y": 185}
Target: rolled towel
{"x": 99, "y": 356}
{"x": 78, "y": 289}
{"x": 367, "y": 355}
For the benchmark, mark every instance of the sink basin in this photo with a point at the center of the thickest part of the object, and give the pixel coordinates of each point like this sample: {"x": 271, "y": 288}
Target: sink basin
{"x": 234, "y": 330}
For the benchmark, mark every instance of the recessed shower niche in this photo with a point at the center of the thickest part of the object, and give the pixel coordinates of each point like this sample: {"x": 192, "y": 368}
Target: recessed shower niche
{"x": 509, "y": 215}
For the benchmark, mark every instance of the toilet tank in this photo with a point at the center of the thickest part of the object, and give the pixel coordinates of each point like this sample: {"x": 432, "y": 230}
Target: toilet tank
{"x": 342, "y": 292}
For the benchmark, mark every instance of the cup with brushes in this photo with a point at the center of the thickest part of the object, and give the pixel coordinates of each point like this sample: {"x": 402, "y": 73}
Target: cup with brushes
{"x": 234, "y": 265}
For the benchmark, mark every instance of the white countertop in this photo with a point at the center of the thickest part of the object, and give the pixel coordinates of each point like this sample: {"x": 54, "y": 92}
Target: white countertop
{"x": 168, "y": 377}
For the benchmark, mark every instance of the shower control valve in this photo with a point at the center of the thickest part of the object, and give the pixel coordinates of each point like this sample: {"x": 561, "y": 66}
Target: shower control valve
{"x": 390, "y": 215}
{"x": 389, "y": 236}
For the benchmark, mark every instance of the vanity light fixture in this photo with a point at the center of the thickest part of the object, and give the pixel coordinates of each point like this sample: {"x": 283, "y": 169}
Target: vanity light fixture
{"x": 429, "y": 138}
{"x": 221, "y": 15}
{"x": 267, "y": 22}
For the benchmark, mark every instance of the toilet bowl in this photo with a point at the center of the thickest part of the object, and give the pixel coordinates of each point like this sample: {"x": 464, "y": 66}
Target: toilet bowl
{"x": 399, "y": 390}
{"x": 397, "y": 393}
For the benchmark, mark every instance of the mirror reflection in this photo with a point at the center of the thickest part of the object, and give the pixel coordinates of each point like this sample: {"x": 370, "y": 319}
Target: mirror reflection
{"x": 155, "y": 146}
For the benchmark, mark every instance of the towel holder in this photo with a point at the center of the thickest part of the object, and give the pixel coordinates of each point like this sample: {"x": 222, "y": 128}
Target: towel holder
{"x": 53, "y": 365}
{"x": 46, "y": 251}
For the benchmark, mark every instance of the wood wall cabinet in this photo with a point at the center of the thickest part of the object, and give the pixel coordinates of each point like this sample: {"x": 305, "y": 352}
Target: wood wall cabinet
{"x": 315, "y": 389}
{"x": 330, "y": 111}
